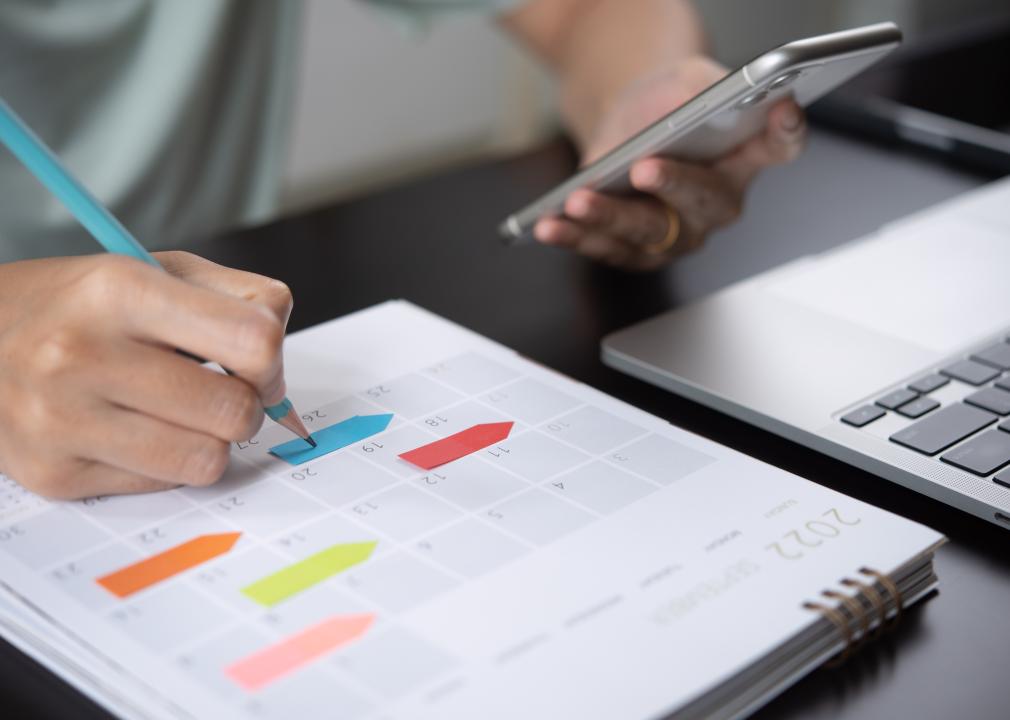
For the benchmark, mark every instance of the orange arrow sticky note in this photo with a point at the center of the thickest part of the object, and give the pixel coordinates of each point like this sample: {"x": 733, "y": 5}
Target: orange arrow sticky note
{"x": 151, "y": 571}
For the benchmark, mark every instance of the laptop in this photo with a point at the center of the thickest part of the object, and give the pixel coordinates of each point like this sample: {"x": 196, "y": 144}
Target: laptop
{"x": 891, "y": 353}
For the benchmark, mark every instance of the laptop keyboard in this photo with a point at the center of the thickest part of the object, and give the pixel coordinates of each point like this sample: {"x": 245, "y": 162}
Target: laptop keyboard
{"x": 972, "y": 433}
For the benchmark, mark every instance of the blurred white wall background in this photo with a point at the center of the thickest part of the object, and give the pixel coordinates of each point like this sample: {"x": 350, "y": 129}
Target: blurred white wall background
{"x": 378, "y": 103}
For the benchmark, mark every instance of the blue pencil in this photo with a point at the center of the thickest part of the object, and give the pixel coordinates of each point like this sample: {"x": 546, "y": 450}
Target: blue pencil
{"x": 97, "y": 220}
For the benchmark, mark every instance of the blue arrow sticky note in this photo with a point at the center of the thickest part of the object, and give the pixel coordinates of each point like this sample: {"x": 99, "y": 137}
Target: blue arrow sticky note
{"x": 334, "y": 437}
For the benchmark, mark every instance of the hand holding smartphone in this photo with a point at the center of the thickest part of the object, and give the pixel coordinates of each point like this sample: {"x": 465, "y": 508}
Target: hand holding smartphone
{"x": 723, "y": 116}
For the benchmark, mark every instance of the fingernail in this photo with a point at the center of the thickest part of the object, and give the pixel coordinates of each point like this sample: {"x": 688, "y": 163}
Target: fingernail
{"x": 654, "y": 178}
{"x": 792, "y": 119}
{"x": 581, "y": 211}
{"x": 542, "y": 235}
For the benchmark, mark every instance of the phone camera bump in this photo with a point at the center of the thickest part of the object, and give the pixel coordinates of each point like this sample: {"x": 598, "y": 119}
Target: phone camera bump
{"x": 783, "y": 80}
{"x": 754, "y": 99}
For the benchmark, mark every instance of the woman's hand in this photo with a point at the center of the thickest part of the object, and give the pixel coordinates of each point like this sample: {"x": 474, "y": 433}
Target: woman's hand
{"x": 627, "y": 231}
{"x": 94, "y": 398}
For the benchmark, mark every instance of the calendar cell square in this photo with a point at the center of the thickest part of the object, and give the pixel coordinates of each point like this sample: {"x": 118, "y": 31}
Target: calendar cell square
{"x": 412, "y": 396}
{"x": 538, "y": 517}
{"x": 601, "y": 487}
{"x": 327, "y": 531}
{"x": 161, "y": 536}
{"x": 166, "y": 617}
{"x": 124, "y": 514}
{"x": 266, "y": 509}
{"x": 592, "y": 429}
{"x": 533, "y": 456}
{"x": 471, "y": 373}
{"x": 343, "y": 409}
{"x": 394, "y": 662}
{"x": 402, "y": 512}
{"x": 206, "y": 662}
{"x": 384, "y": 450}
{"x": 303, "y": 693}
{"x": 226, "y": 577}
{"x": 660, "y": 459}
{"x": 470, "y": 548}
{"x": 397, "y": 582}
{"x": 340, "y": 479}
{"x": 256, "y": 450}
{"x": 309, "y": 608}
{"x": 457, "y": 418}
{"x": 530, "y": 400}
{"x": 49, "y": 536}
{"x": 471, "y": 483}
{"x": 77, "y": 578}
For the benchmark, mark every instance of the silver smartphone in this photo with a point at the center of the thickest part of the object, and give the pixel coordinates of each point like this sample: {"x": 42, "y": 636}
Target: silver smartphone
{"x": 725, "y": 115}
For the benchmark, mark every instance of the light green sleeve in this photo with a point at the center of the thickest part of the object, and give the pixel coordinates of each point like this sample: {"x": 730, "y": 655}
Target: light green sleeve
{"x": 420, "y": 11}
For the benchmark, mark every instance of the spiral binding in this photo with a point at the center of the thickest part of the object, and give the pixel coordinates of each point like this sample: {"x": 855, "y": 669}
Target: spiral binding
{"x": 866, "y": 609}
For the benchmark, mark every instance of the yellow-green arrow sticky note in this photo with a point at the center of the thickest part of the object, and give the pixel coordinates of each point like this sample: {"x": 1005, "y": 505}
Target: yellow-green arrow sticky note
{"x": 312, "y": 570}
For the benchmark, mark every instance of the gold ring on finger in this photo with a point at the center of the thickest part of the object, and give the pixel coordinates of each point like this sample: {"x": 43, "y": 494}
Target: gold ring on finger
{"x": 672, "y": 234}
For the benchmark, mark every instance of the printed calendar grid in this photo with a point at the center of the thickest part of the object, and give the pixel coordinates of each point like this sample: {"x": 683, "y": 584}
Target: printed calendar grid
{"x": 415, "y": 546}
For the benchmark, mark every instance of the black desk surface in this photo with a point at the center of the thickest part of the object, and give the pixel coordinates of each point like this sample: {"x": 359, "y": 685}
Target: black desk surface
{"x": 432, "y": 242}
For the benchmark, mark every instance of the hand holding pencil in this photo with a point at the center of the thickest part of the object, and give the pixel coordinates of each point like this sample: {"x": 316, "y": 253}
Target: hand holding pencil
{"x": 96, "y": 397}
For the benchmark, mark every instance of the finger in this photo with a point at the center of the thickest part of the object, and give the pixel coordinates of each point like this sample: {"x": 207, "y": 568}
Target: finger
{"x": 635, "y": 221}
{"x": 160, "y": 383}
{"x": 611, "y": 251}
{"x": 153, "y": 306}
{"x": 75, "y": 479}
{"x": 556, "y": 231}
{"x": 143, "y": 445}
{"x": 237, "y": 283}
{"x": 575, "y": 236}
{"x": 604, "y": 249}
{"x": 601, "y": 247}
{"x": 93, "y": 478}
{"x": 704, "y": 198}
{"x": 781, "y": 142}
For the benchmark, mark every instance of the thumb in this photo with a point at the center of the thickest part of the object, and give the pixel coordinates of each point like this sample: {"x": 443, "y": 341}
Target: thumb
{"x": 781, "y": 142}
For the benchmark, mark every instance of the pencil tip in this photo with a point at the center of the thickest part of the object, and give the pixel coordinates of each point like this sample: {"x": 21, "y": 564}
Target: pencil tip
{"x": 293, "y": 423}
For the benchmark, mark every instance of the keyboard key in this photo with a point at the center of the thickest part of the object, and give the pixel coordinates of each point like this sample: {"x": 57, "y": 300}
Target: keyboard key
{"x": 894, "y": 400}
{"x": 982, "y": 455}
{"x": 1003, "y": 478}
{"x": 863, "y": 416}
{"x": 1005, "y": 427}
{"x": 997, "y": 356}
{"x": 971, "y": 372}
{"x": 918, "y": 407}
{"x": 929, "y": 383}
{"x": 944, "y": 428}
{"x": 1004, "y": 384}
{"x": 992, "y": 400}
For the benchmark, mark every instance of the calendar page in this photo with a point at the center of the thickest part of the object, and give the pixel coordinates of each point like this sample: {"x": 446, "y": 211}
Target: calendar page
{"x": 475, "y": 536}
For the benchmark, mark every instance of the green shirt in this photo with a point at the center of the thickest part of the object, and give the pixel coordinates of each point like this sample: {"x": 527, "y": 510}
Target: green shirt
{"x": 173, "y": 112}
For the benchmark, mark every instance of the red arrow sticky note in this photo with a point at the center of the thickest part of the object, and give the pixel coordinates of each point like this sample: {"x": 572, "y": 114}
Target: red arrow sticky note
{"x": 461, "y": 444}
